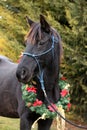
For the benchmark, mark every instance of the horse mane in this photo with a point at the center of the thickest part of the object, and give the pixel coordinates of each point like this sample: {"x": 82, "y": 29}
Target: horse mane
{"x": 35, "y": 31}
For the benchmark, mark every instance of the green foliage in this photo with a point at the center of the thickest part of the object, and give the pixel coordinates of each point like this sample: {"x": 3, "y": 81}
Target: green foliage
{"x": 10, "y": 35}
{"x": 75, "y": 54}
{"x": 69, "y": 17}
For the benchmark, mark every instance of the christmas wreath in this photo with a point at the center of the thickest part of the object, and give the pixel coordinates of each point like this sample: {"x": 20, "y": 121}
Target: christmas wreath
{"x": 29, "y": 95}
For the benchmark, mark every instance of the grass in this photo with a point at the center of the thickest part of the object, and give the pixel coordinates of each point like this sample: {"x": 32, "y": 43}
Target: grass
{"x": 9, "y": 124}
{"x": 12, "y": 124}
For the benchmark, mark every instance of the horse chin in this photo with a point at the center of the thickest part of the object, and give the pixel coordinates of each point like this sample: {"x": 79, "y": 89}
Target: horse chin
{"x": 29, "y": 78}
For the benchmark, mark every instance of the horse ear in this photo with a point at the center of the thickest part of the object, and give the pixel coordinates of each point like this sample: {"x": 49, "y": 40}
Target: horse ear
{"x": 44, "y": 24}
{"x": 30, "y": 22}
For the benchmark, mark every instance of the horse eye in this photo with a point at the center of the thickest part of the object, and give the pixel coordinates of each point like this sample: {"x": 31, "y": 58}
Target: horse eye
{"x": 40, "y": 43}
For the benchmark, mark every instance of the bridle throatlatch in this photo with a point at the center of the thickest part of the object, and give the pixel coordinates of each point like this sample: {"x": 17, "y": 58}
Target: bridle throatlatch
{"x": 41, "y": 74}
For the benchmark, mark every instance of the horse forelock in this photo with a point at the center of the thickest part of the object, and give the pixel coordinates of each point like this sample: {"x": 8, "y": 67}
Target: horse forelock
{"x": 34, "y": 33}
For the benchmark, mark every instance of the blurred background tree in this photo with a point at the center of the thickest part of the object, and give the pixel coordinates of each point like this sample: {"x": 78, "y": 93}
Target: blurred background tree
{"x": 69, "y": 17}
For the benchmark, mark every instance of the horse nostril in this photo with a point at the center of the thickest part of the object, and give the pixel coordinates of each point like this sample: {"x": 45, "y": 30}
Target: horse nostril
{"x": 23, "y": 73}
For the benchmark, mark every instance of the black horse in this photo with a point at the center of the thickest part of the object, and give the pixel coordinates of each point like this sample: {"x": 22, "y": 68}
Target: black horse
{"x": 41, "y": 57}
{"x": 42, "y": 54}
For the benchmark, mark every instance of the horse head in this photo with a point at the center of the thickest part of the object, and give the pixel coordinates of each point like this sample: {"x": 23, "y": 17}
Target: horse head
{"x": 42, "y": 54}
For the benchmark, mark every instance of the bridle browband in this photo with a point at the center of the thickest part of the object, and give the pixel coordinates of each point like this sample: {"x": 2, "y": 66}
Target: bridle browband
{"x": 41, "y": 73}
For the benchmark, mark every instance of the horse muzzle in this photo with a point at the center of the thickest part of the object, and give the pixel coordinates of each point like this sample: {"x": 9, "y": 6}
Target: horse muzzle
{"x": 23, "y": 75}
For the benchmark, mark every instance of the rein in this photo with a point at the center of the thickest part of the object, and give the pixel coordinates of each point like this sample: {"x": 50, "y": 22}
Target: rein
{"x": 40, "y": 77}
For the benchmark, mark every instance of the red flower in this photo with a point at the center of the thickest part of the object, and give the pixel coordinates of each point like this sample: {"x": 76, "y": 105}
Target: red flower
{"x": 64, "y": 92}
{"x": 63, "y": 78}
{"x": 31, "y": 89}
{"x": 51, "y": 108}
{"x": 68, "y": 106}
{"x": 37, "y": 103}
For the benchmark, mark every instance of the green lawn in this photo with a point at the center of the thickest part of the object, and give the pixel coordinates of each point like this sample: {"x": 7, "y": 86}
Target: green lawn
{"x": 12, "y": 124}
{"x": 9, "y": 124}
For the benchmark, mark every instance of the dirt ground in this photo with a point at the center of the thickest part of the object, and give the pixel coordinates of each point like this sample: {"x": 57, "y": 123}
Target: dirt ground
{"x": 76, "y": 120}
{"x": 70, "y": 127}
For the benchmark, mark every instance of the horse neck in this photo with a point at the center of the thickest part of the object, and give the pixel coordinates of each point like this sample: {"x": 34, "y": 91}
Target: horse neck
{"x": 51, "y": 74}
{"x": 52, "y": 70}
